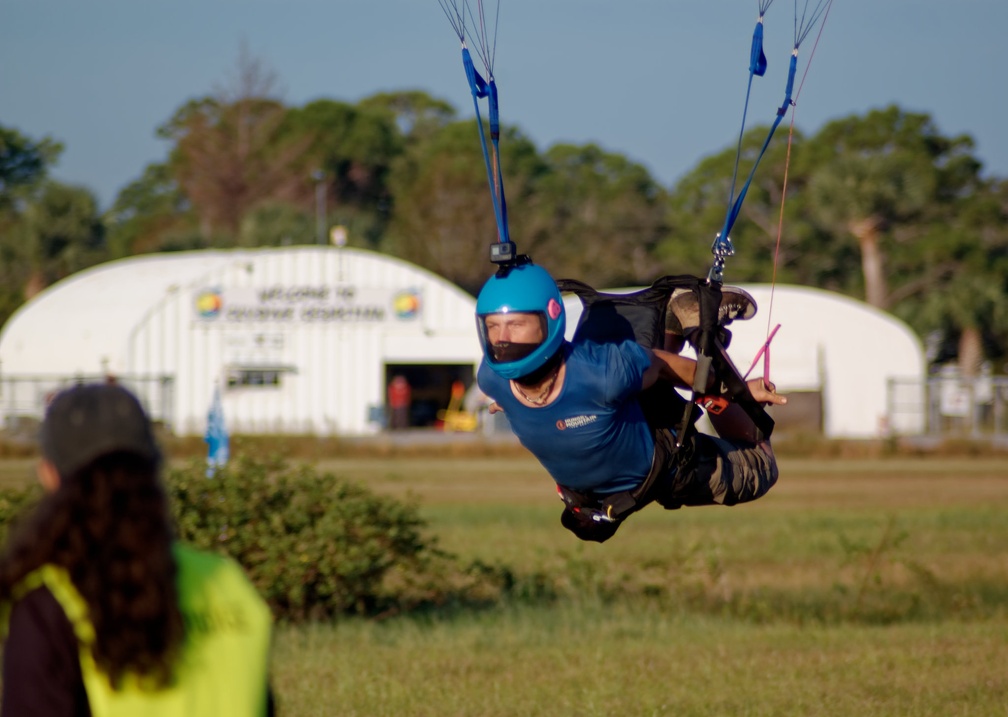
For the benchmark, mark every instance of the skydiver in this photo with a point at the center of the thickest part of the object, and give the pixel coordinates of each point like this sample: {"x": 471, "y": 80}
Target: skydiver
{"x": 577, "y": 407}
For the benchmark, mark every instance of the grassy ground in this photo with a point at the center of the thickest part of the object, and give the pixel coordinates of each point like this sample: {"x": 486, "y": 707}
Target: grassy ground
{"x": 856, "y": 587}
{"x": 593, "y": 662}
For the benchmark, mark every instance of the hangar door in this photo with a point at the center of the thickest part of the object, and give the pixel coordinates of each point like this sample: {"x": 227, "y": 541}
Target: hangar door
{"x": 430, "y": 388}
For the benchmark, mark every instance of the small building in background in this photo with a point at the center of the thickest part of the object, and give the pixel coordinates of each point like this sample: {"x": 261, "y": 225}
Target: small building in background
{"x": 299, "y": 340}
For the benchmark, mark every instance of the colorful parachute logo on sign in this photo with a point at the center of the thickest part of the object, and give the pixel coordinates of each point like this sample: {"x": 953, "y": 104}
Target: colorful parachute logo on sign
{"x": 406, "y": 305}
{"x": 208, "y": 304}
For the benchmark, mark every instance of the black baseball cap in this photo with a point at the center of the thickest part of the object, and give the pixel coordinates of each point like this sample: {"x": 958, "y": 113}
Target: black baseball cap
{"x": 89, "y": 421}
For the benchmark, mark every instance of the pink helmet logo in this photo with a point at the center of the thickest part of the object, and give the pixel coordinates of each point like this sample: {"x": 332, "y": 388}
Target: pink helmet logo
{"x": 554, "y": 309}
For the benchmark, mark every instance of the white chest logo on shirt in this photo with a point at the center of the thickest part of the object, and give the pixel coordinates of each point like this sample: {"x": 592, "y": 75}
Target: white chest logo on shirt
{"x": 575, "y": 422}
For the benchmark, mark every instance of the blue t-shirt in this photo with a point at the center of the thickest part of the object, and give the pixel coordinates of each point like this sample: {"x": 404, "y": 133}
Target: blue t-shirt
{"x": 593, "y": 436}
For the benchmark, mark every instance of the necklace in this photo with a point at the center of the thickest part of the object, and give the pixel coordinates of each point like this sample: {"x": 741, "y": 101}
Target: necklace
{"x": 543, "y": 396}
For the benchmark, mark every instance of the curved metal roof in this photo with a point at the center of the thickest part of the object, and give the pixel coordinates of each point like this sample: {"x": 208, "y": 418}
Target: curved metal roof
{"x": 82, "y": 324}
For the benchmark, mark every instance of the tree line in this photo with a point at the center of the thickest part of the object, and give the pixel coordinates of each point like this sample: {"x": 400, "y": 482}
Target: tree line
{"x": 881, "y": 206}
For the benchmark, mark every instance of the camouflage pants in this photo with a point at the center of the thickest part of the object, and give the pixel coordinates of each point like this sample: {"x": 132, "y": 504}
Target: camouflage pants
{"x": 720, "y": 472}
{"x": 715, "y": 472}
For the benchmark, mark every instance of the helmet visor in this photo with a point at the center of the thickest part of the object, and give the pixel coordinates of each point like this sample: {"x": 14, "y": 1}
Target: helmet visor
{"x": 510, "y": 337}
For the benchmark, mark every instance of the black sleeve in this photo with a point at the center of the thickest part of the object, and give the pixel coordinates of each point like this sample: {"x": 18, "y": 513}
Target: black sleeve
{"x": 41, "y": 668}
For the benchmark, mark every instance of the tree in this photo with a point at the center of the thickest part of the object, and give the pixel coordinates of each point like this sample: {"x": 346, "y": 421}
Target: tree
{"x": 444, "y": 218}
{"x": 353, "y": 148}
{"x": 417, "y": 115}
{"x": 47, "y": 229}
{"x": 699, "y": 202}
{"x": 878, "y": 176}
{"x": 957, "y": 280}
{"x": 927, "y": 225}
{"x": 231, "y": 153}
{"x": 277, "y": 224}
{"x": 881, "y": 206}
{"x": 594, "y": 215}
{"x": 62, "y": 233}
{"x": 152, "y": 214}
{"x": 23, "y": 162}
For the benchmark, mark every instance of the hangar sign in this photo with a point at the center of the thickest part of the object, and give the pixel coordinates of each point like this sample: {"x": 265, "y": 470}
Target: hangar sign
{"x": 313, "y": 304}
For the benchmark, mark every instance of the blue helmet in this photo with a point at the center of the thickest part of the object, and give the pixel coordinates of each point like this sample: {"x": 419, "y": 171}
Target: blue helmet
{"x": 525, "y": 288}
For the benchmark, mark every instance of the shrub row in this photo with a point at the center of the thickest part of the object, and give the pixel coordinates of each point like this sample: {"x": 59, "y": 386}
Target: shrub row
{"x": 318, "y": 546}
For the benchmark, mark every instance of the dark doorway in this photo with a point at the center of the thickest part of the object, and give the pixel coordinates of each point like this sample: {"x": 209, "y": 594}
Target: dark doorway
{"x": 430, "y": 387}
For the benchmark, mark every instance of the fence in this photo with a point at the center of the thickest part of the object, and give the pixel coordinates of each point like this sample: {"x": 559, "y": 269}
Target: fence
{"x": 951, "y": 406}
{"x": 23, "y": 399}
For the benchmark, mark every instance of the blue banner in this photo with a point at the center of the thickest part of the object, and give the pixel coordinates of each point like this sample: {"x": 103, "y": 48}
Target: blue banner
{"x": 218, "y": 441}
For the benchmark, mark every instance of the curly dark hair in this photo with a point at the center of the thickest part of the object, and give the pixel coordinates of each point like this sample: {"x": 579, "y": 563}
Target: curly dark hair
{"x": 109, "y": 526}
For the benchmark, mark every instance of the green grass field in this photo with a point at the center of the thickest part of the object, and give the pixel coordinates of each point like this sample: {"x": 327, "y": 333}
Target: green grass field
{"x": 873, "y": 587}
{"x": 856, "y": 587}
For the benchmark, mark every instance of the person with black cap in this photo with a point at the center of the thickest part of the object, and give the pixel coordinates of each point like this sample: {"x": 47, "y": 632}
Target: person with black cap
{"x": 577, "y": 406}
{"x": 102, "y": 611}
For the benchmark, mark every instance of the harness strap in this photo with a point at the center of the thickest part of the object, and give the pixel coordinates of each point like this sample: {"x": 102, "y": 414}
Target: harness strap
{"x": 638, "y": 315}
{"x": 735, "y": 387}
{"x": 615, "y": 507}
{"x": 711, "y": 343}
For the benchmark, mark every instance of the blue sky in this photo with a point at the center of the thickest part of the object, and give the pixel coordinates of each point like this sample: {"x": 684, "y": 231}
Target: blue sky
{"x": 660, "y": 81}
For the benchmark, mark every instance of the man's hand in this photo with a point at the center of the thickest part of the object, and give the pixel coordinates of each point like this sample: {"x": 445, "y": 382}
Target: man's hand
{"x": 765, "y": 392}
{"x": 494, "y": 408}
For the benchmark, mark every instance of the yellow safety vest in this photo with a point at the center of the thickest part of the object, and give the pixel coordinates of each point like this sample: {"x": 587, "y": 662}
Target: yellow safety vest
{"x": 223, "y": 668}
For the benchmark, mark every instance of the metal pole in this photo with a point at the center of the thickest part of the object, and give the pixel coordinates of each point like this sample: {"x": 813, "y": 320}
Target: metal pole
{"x": 320, "y": 208}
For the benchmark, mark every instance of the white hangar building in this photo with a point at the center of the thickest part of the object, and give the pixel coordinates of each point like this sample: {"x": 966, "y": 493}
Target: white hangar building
{"x": 300, "y": 340}
{"x": 849, "y": 369}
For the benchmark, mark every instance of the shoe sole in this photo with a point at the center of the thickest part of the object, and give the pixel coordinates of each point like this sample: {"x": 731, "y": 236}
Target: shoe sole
{"x": 683, "y": 313}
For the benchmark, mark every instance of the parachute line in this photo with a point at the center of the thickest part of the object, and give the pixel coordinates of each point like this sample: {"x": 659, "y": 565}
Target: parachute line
{"x": 802, "y": 28}
{"x": 804, "y": 22}
{"x": 489, "y": 49}
{"x": 757, "y": 68}
{"x": 473, "y": 26}
{"x": 784, "y": 186}
{"x": 456, "y": 17}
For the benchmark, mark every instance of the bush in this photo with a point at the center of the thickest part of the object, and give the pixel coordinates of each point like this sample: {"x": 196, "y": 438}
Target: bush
{"x": 15, "y": 504}
{"x": 317, "y": 546}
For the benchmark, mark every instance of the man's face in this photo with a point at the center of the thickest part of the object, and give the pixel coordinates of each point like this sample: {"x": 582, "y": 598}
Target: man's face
{"x": 514, "y": 335}
{"x": 514, "y": 328}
